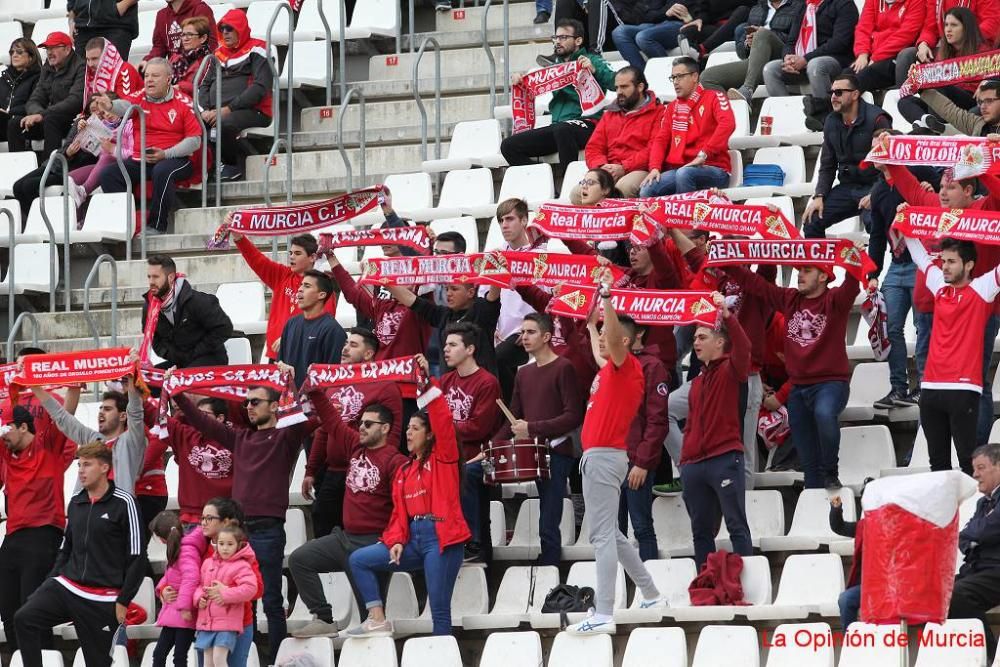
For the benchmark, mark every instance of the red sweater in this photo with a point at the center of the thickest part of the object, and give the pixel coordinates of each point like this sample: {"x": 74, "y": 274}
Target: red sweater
{"x": 715, "y": 423}
{"x": 167, "y": 30}
{"x": 649, "y": 428}
{"x": 472, "y": 401}
{"x": 987, "y": 13}
{"x": 204, "y": 467}
{"x": 615, "y": 398}
{"x": 283, "y": 283}
{"x": 710, "y": 124}
{"x": 816, "y": 328}
{"x": 441, "y": 466}
{"x": 622, "y": 137}
{"x": 885, "y": 29}
{"x": 327, "y": 452}
{"x": 548, "y": 398}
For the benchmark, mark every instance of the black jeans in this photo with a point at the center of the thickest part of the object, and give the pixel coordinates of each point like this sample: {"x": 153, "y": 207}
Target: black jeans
{"x": 26, "y": 558}
{"x": 840, "y": 204}
{"x": 974, "y": 594}
{"x": 51, "y": 605}
{"x": 567, "y": 139}
{"x": 711, "y": 37}
{"x": 879, "y": 75}
{"x": 164, "y": 173}
{"x": 26, "y": 188}
{"x": 120, "y": 37}
{"x": 328, "y": 508}
{"x": 946, "y": 415}
{"x": 52, "y": 130}
{"x": 178, "y": 639}
{"x": 149, "y": 507}
{"x": 913, "y": 108}
{"x": 233, "y": 148}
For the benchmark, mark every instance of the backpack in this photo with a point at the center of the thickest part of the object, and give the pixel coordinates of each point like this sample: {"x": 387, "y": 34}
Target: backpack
{"x": 763, "y": 174}
{"x": 564, "y": 598}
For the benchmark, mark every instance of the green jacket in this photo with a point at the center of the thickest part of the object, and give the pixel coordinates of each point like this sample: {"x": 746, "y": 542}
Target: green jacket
{"x": 565, "y": 104}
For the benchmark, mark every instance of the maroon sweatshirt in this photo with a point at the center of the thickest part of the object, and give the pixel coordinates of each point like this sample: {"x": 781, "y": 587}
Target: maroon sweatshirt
{"x": 472, "y": 401}
{"x": 715, "y": 422}
{"x": 816, "y": 328}
{"x": 574, "y": 340}
{"x": 649, "y": 428}
{"x": 205, "y": 468}
{"x": 548, "y": 398}
{"x": 167, "y": 29}
{"x": 353, "y": 400}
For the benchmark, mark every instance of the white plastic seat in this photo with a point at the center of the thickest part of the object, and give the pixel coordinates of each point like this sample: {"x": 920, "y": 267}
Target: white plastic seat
{"x": 792, "y": 161}
{"x": 741, "y": 113}
{"x": 575, "y": 171}
{"x": 498, "y": 524}
{"x": 576, "y": 651}
{"x": 14, "y": 165}
{"x": 736, "y": 177}
{"x": 262, "y": 624}
{"x": 920, "y": 460}
{"x": 465, "y": 226}
{"x": 238, "y": 351}
{"x": 366, "y": 652}
{"x": 864, "y": 452}
{"x": 721, "y": 58}
{"x": 463, "y": 190}
{"x": 244, "y": 304}
{"x": 994, "y": 432}
{"x": 295, "y": 528}
{"x": 143, "y": 44}
{"x": 31, "y": 266}
{"x": 788, "y": 651}
{"x": 946, "y": 651}
{"x": 810, "y": 583}
{"x": 532, "y": 183}
{"x": 220, "y": 9}
{"x": 673, "y": 527}
{"x": 319, "y": 648}
{"x": 869, "y": 382}
{"x": 147, "y": 656}
{"x": 503, "y": 649}
{"x": 861, "y": 349}
{"x": 755, "y": 578}
{"x": 522, "y": 591}
{"x": 43, "y": 27}
{"x": 401, "y": 598}
{"x": 811, "y": 522}
{"x": 309, "y": 65}
{"x": 783, "y": 202}
{"x": 295, "y": 486}
{"x": 337, "y": 591}
{"x": 789, "y": 125}
{"x": 524, "y": 543}
{"x": 470, "y": 597}
{"x": 171, "y": 472}
{"x": 890, "y": 104}
{"x": 583, "y": 573}
{"x": 119, "y": 659}
{"x": 658, "y": 72}
{"x": 663, "y": 647}
{"x": 49, "y": 659}
{"x": 494, "y": 236}
{"x": 145, "y": 597}
{"x": 431, "y": 652}
{"x": 410, "y": 192}
{"x": 9, "y": 31}
{"x": 765, "y": 516}
{"x": 868, "y": 647}
{"x": 104, "y": 216}
{"x": 672, "y": 577}
{"x": 259, "y": 13}
{"x": 36, "y": 232}
{"x": 730, "y": 645}
{"x": 375, "y": 17}
{"x": 473, "y": 143}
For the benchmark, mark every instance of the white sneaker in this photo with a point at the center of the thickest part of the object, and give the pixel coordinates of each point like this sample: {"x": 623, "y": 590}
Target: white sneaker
{"x": 78, "y": 193}
{"x": 590, "y": 626}
{"x": 371, "y": 628}
{"x": 655, "y": 603}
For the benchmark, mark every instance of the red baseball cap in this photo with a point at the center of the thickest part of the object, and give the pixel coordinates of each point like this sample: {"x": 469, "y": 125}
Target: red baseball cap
{"x": 57, "y": 39}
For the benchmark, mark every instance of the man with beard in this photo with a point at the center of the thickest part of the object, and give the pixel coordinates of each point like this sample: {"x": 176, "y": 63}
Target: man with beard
{"x": 620, "y": 143}
{"x": 189, "y": 328}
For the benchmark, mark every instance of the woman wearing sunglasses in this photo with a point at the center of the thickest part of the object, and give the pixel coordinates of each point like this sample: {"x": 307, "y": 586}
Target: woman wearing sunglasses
{"x": 18, "y": 79}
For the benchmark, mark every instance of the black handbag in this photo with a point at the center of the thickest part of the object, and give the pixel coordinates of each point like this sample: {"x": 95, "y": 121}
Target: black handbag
{"x": 565, "y": 598}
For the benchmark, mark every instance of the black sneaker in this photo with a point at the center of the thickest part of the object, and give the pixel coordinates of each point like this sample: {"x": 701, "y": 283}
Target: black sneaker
{"x": 472, "y": 553}
{"x": 833, "y": 484}
{"x": 934, "y": 124}
{"x": 443, "y": 5}
{"x": 542, "y": 17}
{"x": 546, "y": 61}
{"x": 889, "y": 400}
{"x": 230, "y": 173}
{"x": 913, "y": 398}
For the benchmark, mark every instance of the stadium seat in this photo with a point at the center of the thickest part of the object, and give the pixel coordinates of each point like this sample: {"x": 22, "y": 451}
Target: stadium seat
{"x": 890, "y": 104}
{"x": 295, "y": 530}
{"x": 792, "y": 161}
{"x": 532, "y": 183}
{"x": 672, "y": 577}
{"x": 575, "y": 651}
{"x": 494, "y": 236}
{"x": 658, "y": 72}
{"x": 473, "y": 143}
{"x": 498, "y": 524}
{"x": 721, "y": 58}
{"x": 470, "y": 597}
{"x": 262, "y": 618}
{"x": 366, "y": 652}
{"x": 172, "y": 475}
{"x": 920, "y": 460}
{"x": 309, "y": 64}
{"x": 13, "y": 166}
{"x": 946, "y": 651}
{"x": 765, "y": 515}
{"x": 522, "y": 591}
{"x": 220, "y": 9}
{"x": 524, "y": 543}
{"x": 810, "y": 583}
{"x": 994, "y": 432}
{"x": 410, "y": 192}
{"x": 811, "y": 522}
{"x": 259, "y": 14}
{"x": 337, "y": 590}
{"x": 463, "y": 190}
{"x": 865, "y": 645}
{"x": 401, "y": 599}
{"x": 431, "y": 652}
{"x": 143, "y": 44}
{"x": 756, "y": 581}
{"x": 869, "y": 382}
{"x": 503, "y": 649}
{"x": 104, "y": 216}
{"x": 575, "y": 171}
{"x": 864, "y": 452}
{"x": 741, "y": 112}
{"x": 861, "y": 349}
{"x": 783, "y": 202}
{"x": 465, "y": 226}
{"x": 118, "y": 659}
{"x": 663, "y": 647}
{"x": 244, "y": 304}
{"x": 31, "y": 265}
{"x": 581, "y": 574}
{"x": 789, "y": 121}
{"x": 49, "y": 659}
{"x": 43, "y": 27}
{"x": 238, "y": 350}
{"x": 347, "y": 315}
{"x": 295, "y": 486}
{"x": 788, "y": 651}
{"x": 673, "y": 527}
{"x": 36, "y": 232}
{"x": 147, "y": 656}
{"x": 320, "y": 649}
{"x": 730, "y": 645}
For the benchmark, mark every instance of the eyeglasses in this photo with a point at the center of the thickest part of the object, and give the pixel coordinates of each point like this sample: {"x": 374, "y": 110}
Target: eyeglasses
{"x": 226, "y": 28}
{"x": 674, "y": 78}
{"x": 369, "y": 424}
{"x": 192, "y": 35}
{"x": 209, "y": 519}
{"x": 441, "y": 251}
{"x": 561, "y": 38}
{"x": 16, "y": 52}
{"x": 837, "y": 92}
{"x": 987, "y": 100}
{"x": 257, "y": 401}
{"x": 587, "y": 182}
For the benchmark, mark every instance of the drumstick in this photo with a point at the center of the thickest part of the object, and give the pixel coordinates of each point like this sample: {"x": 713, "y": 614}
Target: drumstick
{"x": 506, "y": 412}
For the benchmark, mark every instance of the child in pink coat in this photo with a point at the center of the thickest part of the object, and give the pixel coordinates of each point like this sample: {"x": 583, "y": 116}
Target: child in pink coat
{"x": 227, "y": 581}
{"x": 177, "y": 617}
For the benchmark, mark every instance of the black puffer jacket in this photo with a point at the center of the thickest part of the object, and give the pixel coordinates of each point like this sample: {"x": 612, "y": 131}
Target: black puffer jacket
{"x": 635, "y": 12}
{"x": 198, "y": 334}
{"x": 15, "y": 89}
{"x": 94, "y": 14}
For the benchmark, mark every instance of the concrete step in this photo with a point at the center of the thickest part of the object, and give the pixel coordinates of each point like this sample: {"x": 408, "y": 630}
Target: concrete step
{"x": 395, "y": 114}
{"x": 382, "y": 136}
{"x": 304, "y": 188}
{"x": 80, "y": 344}
{"x": 456, "y": 62}
{"x": 330, "y": 164}
{"x": 74, "y": 324}
{"x": 470, "y": 35}
{"x": 471, "y": 18}
{"x": 216, "y": 267}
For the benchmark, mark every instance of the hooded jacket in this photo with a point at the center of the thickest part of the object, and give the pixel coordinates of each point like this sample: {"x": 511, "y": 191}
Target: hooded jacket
{"x": 845, "y": 146}
{"x": 835, "y": 21}
{"x": 622, "y": 137}
{"x": 16, "y": 87}
{"x": 59, "y": 91}
{"x": 885, "y": 29}
{"x": 95, "y": 14}
{"x": 649, "y": 428}
{"x": 246, "y": 75}
{"x": 198, "y": 332}
{"x": 238, "y": 575}
{"x": 167, "y": 30}
{"x": 183, "y": 576}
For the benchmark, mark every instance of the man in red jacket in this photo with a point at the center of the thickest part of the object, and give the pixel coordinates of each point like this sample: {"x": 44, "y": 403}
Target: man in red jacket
{"x": 167, "y": 29}
{"x": 620, "y": 142}
{"x": 691, "y": 145}
{"x": 712, "y": 458}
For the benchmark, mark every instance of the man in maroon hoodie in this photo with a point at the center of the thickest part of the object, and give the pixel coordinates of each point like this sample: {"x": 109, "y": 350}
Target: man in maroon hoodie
{"x": 326, "y": 459}
{"x": 167, "y": 29}
{"x": 712, "y": 458}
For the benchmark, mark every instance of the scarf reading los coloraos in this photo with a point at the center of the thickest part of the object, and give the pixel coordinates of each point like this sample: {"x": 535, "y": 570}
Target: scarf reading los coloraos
{"x": 964, "y": 69}
{"x": 800, "y": 252}
{"x": 969, "y": 156}
{"x": 548, "y": 79}
{"x": 646, "y": 307}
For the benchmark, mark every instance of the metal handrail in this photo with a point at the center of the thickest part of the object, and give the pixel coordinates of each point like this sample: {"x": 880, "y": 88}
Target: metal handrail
{"x": 198, "y": 77}
{"x": 278, "y": 143}
{"x": 344, "y": 101}
{"x": 56, "y": 156}
{"x": 129, "y": 213}
{"x": 16, "y": 329}
{"x": 11, "y": 283}
{"x": 329, "y": 54}
{"x": 506, "y": 52}
{"x": 437, "y": 97}
{"x": 276, "y": 101}
{"x": 103, "y": 259}
{"x": 412, "y": 24}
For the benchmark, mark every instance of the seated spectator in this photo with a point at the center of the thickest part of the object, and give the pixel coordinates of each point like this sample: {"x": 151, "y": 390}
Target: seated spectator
{"x": 961, "y": 38}
{"x": 758, "y": 42}
{"x": 246, "y": 90}
{"x": 817, "y": 48}
{"x": 19, "y": 78}
{"x": 708, "y": 24}
{"x": 986, "y": 122}
{"x": 884, "y": 29}
{"x": 620, "y": 143}
{"x": 84, "y": 180}
{"x": 691, "y": 145}
{"x": 168, "y": 32}
{"x": 569, "y": 131}
{"x": 172, "y": 136}
{"x": 55, "y": 100}
{"x": 107, "y": 71}
{"x": 595, "y": 186}
{"x": 847, "y": 138}
{"x": 197, "y": 36}
{"x": 118, "y": 22}
{"x": 647, "y": 28}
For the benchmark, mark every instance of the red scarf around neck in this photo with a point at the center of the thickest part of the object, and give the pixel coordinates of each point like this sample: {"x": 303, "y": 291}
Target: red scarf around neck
{"x": 681, "y": 123}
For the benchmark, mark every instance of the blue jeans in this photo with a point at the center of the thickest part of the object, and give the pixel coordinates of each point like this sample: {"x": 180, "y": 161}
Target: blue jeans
{"x": 638, "y": 505}
{"x": 543, "y": 6}
{"x": 924, "y": 322}
{"x": 420, "y": 553}
{"x": 814, "y": 412}
{"x": 551, "y": 493}
{"x": 686, "y": 179}
{"x": 986, "y": 400}
{"x": 472, "y": 493}
{"x": 897, "y": 288}
{"x": 269, "y": 546}
{"x": 652, "y": 39}
{"x": 849, "y": 602}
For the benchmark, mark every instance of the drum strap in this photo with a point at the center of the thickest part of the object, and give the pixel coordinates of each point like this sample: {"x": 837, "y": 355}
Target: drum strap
{"x": 531, "y": 591}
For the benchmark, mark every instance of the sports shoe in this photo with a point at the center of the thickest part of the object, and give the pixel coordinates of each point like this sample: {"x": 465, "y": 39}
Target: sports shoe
{"x": 473, "y": 553}
{"x": 833, "y": 484}
{"x": 654, "y": 603}
{"x": 78, "y": 193}
{"x": 545, "y": 61}
{"x": 889, "y": 400}
{"x": 911, "y": 399}
{"x": 933, "y": 123}
{"x": 443, "y": 5}
{"x": 686, "y": 49}
{"x": 230, "y": 173}
{"x": 542, "y": 17}
{"x": 670, "y": 489}
{"x": 738, "y": 95}
{"x": 372, "y": 628}
{"x": 589, "y": 626}
{"x": 316, "y": 628}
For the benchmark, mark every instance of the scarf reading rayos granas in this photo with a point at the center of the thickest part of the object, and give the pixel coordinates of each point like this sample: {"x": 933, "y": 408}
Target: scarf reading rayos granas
{"x": 680, "y": 123}
{"x": 726, "y": 219}
{"x": 610, "y": 222}
{"x": 969, "y": 156}
{"x": 74, "y": 368}
{"x": 799, "y": 252}
{"x": 156, "y": 304}
{"x": 928, "y": 223}
{"x": 806, "y": 42}
{"x": 397, "y": 369}
{"x": 647, "y": 307}
{"x": 411, "y": 237}
{"x": 951, "y": 72}
{"x": 548, "y": 79}
{"x": 297, "y": 218}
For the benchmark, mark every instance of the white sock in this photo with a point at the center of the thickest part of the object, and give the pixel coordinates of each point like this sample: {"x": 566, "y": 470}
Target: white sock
{"x": 601, "y": 618}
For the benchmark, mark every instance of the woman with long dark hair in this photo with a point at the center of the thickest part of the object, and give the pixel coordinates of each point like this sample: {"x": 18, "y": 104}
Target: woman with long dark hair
{"x": 18, "y": 79}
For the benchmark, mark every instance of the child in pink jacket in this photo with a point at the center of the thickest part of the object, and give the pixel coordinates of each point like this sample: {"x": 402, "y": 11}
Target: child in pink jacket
{"x": 227, "y": 581}
{"x": 177, "y": 616}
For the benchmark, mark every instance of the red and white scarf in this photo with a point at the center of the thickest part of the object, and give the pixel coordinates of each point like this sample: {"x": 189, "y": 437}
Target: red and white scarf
{"x": 586, "y": 223}
{"x": 928, "y": 223}
{"x": 646, "y": 307}
{"x": 951, "y": 72}
{"x": 680, "y": 123}
{"x": 156, "y": 304}
{"x": 404, "y": 370}
{"x": 806, "y": 42}
{"x": 411, "y": 237}
{"x": 511, "y": 268}
{"x": 552, "y": 78}
{"x": 74, "y": 368}
{"x": 725, "y": 219}
{"x": 112, "y": 73}
{"x": 875, "y": 313}
{"x": 825, "y": 253}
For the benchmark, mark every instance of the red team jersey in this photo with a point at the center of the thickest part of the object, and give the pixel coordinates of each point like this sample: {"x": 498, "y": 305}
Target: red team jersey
{"x": 615, "y": 397}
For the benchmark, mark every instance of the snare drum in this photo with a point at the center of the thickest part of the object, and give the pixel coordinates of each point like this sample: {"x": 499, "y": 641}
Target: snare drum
{"x": 516, "y": 461}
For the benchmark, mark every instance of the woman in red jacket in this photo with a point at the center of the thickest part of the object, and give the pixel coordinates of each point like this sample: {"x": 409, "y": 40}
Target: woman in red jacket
{"x": 427, "y": 530}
